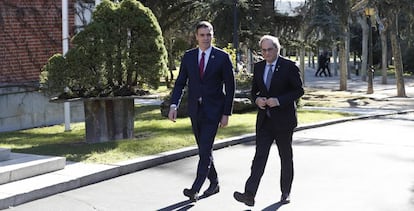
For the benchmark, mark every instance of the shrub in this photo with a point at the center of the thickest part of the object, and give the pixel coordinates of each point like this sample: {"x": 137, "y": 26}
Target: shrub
{"x": 121, "y": 52}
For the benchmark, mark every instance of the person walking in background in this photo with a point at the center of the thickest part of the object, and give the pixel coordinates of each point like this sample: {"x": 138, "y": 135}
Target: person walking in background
{"x": 323, "y": 65}
{"x": 276, "y": 87}
{"x": 207, "y": 71}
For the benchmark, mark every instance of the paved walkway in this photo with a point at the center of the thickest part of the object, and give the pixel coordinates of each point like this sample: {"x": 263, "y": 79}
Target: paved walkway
{"x": 385, "y": 95}
{"x": 361, "y": 165}
{"x": 76, "y": 175}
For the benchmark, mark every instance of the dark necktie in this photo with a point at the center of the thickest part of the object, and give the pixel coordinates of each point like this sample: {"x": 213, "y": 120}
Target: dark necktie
{"x": 269, "y": 76}
{"x": 201, "y": 65}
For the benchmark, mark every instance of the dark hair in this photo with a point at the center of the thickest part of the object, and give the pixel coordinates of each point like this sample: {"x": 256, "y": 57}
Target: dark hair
{"x": 204, "y": 24}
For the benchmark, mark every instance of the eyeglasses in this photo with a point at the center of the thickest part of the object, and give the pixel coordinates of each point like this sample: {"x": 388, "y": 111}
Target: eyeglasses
{"x": 267, "y": 50}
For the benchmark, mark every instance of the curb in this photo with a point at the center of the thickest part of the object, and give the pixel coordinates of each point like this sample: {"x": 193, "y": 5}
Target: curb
{"x": 346, "y": 119}
{"x": 94, "y": 173}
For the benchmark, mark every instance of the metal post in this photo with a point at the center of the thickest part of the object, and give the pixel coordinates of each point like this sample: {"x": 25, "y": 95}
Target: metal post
{"x": 235, "y": 34}
{"x": 65, "y": 48}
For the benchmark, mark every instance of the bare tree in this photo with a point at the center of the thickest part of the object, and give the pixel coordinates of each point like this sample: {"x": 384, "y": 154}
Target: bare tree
{"x": 391, "y": 14}
{"x": 342, "y": 9}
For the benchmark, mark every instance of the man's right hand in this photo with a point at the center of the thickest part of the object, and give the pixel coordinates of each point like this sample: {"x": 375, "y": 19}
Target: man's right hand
{"x": 172, "y": 114}
{"x": 261, "y": 102}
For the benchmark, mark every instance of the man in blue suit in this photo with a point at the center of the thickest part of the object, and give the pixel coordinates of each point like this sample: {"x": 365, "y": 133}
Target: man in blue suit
{"x": 208, "y": 73}
{"x": 276, "y": 87}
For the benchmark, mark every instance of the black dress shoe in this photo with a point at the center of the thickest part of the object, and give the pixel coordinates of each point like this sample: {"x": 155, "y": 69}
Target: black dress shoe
{"x": 247, "y": 199}
{"x": 211, "y": 190}
{"x": 192, "y": 195}
{"x": 285, "y": 198}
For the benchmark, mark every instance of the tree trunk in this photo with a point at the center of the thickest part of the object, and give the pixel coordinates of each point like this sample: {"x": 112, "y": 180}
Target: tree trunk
{"x": 171, "y": 64}
{"x": 343, "y": 59}
{"x": 364, "y": 57}
{"x": 396, "y": 51}
{"x": 384, "y": 52}
{"x": 109, "y": 119}
{"x": 347, "y": 47}
{"x": 302, "y": 63}
{"x": 343, "y": 70}
{"x": 302, "y": 55}
{"x": 334, "y": 67}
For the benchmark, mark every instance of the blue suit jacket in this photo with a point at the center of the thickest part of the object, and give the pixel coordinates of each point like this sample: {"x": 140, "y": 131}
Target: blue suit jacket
{"x": 216, "y": 88}
{"x": 286, "y": 86}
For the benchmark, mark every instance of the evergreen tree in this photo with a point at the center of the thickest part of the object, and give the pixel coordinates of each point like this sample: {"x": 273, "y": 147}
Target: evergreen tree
{"x": 120, "y": 52}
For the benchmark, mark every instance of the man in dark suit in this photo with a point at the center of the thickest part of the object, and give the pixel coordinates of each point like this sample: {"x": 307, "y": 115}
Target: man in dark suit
{"x": 276, "y": 86}
{"x": 323, "y": 63}
{"x": 208, "y": 73}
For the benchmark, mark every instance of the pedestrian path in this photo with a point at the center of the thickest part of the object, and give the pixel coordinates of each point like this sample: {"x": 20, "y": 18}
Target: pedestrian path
{"x": 356, "y": 84}
{"x": 362, "y": 165}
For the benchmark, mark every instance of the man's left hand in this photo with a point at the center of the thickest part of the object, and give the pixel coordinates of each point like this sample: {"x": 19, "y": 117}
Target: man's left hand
{"x": 224, "y": 121}
{"x": 272, "y": 102}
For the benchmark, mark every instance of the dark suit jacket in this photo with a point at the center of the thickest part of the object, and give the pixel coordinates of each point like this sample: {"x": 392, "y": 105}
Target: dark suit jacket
{"x": 286, "y": 86}
{"x": 216, "y": 100}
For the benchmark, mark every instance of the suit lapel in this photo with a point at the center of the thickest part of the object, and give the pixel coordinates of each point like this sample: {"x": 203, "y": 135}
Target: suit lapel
{"x": 276, "y": 70}
{"x": 210, "y": 62}
{"x": 193, "y": 56}
{"x": 261, "y": 74}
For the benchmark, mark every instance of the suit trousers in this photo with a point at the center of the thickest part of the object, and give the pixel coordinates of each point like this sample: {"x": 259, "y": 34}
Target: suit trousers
{"x": 204, "y": 132}
{"x": 265, "y": 137}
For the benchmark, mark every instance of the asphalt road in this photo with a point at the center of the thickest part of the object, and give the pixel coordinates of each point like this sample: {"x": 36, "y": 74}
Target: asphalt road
{"x": 361, "y": 165}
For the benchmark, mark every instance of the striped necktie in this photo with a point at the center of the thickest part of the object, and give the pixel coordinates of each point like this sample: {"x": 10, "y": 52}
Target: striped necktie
{"x": 269, "y": 76}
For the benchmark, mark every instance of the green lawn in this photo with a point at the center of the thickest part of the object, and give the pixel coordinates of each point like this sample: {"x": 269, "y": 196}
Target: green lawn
{"x": 153, "y": 134}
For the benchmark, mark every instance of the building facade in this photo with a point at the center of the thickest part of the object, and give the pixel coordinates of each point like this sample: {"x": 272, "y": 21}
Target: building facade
{"x": 30, "y": 33}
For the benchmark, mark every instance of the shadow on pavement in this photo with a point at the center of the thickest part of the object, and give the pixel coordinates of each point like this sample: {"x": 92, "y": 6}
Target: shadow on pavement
{"x": 316, "y": 142}
{"x": 273, "y": 207}
{"x": 396, "y": 118}
{"x": 180, "y": 206}
{"x": 412, "y": 198}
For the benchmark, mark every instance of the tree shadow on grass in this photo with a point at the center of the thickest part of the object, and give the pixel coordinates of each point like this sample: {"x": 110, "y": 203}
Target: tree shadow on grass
{"x": 77, "y": 152}
{"x": 72, "y": 145}
{"x": 24, "y": 138}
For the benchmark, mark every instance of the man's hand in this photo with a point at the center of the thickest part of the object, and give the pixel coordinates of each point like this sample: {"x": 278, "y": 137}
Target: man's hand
{"x": 261, "y": 102}
{"x": 224, "y": 121}
{"x": 272, "y": 102}
{"x": 172, "y": 114}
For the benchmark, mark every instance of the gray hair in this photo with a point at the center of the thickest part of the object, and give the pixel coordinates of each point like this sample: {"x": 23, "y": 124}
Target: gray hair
{"x": 274, "y": 40}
